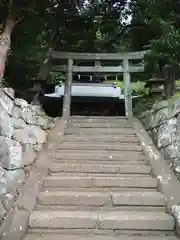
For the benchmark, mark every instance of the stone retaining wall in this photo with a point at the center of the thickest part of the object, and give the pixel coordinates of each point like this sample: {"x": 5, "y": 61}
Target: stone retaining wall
{"x": 162, "y": 123}
{"x": 23, "y": 131}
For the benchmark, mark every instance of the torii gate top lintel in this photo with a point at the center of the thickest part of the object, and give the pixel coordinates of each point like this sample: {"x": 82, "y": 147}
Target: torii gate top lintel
{"x": 98, "y": 56}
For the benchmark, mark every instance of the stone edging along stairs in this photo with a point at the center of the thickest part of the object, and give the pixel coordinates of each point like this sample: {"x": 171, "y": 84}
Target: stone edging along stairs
{"x": 100, "y": 186}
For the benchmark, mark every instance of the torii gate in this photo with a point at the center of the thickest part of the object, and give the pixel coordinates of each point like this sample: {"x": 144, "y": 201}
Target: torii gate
{"x": 124, "y": 67}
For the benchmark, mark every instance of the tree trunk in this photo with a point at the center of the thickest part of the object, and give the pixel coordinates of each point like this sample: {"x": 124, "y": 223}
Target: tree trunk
{"x": 169, "y": 84}
{"x": 44, "y": 70}
{"x": 41, "y": 78}
{"x": 5, "y": 43}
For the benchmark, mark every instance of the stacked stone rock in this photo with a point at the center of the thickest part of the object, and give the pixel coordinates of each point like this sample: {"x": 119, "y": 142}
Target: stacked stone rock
{"x": 23, "y": 131}
{"x": 163, "y": 124}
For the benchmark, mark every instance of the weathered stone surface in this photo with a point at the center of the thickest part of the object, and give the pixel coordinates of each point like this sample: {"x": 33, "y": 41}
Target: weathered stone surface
{"x": 3, "y": 181}
{"x": 143, "y": 115}
{"x": 51, "y": 125}
{"x": 99, "y": 236}
{"x": 73, "y": 198}
{"x": 16, "y": 112}
{"x": 138, "y": 198}
{"x": 22, "y": 136}
{"x": 163, "y": 123}
{"x": 10, "y": 180}
{"x": 20, "y": 133}
{"x": 42, "y": 122}
{"x": 14, "y": 156}
{"x": 38, "y": 133}
{"x": 171, "y": 151}
{"x": 15, "y": 225}
{"x": 178, "y": 128}
{"x": 2, "y": 212}
{"x": 63, "y": 219}
{"x": 98, "y": 181}
{"x": 153, "y": 133}
{"x": 29, "y": 192}
{"x": 160, "y": 117}
{"x": 98, "y": 168}
{"x": 148, "y": 119}
{"x": 6, "y": 124}
{"x": 5, "y": 102}
{"x": 166, "y": 133}
{"x": 21, "y": 103}
{"x": 15, "y": 179}
{"x": 122, "y": 204}
{"x": 168, "y": 182}
{"x": 38, "y": 110}
{"x": 38, "y": 147}
{"x": 176, "y": 213}
{"x": 8, "y": 200}
{"x": 28, "y": 116}
{"x": 30, "y": 135}
{"x": 160, "y": 105}
{"x": 18, "y": 123}
{"x": 136, "y": 220}
{"x": 176, "y": 108}
{"x": 3, "y": 149}
{"x": 29, "y": 155}
{"x": 96, "y": 146}
{"x": 12, "y": 153}
{"x": 9, "y": 92}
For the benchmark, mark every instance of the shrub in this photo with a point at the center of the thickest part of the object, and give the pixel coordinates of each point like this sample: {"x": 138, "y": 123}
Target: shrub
{"x": 138, "y": 88}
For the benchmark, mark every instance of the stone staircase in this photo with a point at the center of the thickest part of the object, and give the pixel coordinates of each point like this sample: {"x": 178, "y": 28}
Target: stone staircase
{"x": 100, "y": 187}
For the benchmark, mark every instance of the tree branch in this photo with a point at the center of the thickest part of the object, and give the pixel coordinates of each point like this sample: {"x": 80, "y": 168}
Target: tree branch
{"x": 129, "y": 26}
{"x": 19, "y": 20}
{"x": 44, "y": 70}
{"x": 10, "y": 4}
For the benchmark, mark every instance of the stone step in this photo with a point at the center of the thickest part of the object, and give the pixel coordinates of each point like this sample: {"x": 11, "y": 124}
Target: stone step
{"x": 99, "y": 183}
{"x": 125, "y": 220}
{"x": 96, "y": 131}
{"x": 98, "y": 208}
{"x": 101, "y": 199}
{"x": 99, "y": 190}
{"x": 138, "y": 198}
{"x": 92, "y": 175}
{"x": 101, "y": 139}
{"x": 98, "y": 155}
{"x": 94, "y": 232}
{"x": 93, "y": 168}
{"x": 89, "y": 124}
{"x": 99, "y": 146}
{"x": 52, "y": 236}
{"x": 97, "y": 122}
{"x": 89, "y": 181}
{"x": 99, "y": 117}
{"x": 101, "y": 162}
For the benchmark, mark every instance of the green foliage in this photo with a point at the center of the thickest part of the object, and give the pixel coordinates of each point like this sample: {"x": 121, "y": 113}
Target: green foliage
{"x": 165, "y": 49}
{"x": 87, "y": 26}
{"x": 162, "y": 20}
{"x": 138, "y": 88}
{"x": 4, "y": 83}
{"x": 175, "y": 97}
{"x": 143, "y": 104}
{"x": 81, "y": 26}
{"x": 56, "y": 78}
